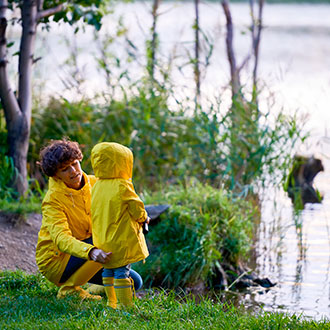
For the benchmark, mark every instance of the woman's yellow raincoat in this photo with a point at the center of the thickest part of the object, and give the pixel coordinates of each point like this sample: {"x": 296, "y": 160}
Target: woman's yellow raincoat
{"x": 117, "y": 211}
{"x": 66, "y": 221}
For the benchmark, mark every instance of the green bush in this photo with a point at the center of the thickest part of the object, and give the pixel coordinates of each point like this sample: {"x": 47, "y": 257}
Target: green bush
{"x": 7, "y": 172}
{"x": 7, "y": 168}
{"x": 143, "y": 123}
{"x": 173, "y": 145}
{"x": 61, "y": 118}
{"x": 203, "y": 228}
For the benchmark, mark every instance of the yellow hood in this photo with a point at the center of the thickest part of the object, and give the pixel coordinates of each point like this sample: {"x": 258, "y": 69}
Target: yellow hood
{"x": 112, "y": 160}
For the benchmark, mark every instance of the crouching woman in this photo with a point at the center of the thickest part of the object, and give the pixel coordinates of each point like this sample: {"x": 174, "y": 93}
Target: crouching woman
{"x": 65, "y": 253}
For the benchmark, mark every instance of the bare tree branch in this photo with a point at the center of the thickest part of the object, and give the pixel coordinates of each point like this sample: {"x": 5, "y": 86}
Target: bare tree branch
{"x": 40, "y": 5}
{"x": 197, "y": 48}
{"x": 256, "y": 28}
{"x": 35, "y": 60}
{"x": 244, "y": 63}
{"x": 49, "y": 12}
{"x": 257, "y": 38}
{"x": 235, "y": 82}
{"x": 153, "y": 45}
{"x": 253, "y": 26}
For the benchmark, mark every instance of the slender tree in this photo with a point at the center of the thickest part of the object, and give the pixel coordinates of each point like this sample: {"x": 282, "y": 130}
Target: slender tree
{"x": 197, "y": 72}
{"x": 234, "y": 70}
{"x": 153, "y": 43}
{"x": 17, "y": 104}
{"x": 244, "y": 139}
{"x": 256, "y": 28}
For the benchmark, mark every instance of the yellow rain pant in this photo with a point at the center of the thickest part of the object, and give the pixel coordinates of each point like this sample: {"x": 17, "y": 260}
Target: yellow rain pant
{"x": 78, "y": 278}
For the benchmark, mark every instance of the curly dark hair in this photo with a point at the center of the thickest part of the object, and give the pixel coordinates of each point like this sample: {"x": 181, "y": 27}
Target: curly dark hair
{"x": 58, "y": 153}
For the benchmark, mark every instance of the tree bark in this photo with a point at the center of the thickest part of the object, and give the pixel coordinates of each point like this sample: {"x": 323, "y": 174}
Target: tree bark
{"x": 17, "y": 127}
{"x": 197, "y": 48}
{"x": 18, "y": 107}
{"x": 256, "y": 28}
{"x": 234, "y": 71}
{"x": 7, "y": 96}
{"x": 19, "y": 130}
{"x": 154, "y": 37}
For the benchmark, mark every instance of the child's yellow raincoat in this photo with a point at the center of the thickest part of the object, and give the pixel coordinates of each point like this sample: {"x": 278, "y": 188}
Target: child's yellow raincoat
{"x": 117, "y": 211}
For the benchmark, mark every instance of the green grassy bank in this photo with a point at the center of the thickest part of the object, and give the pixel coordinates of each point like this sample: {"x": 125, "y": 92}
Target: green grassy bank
{"x": 29, "y": 302}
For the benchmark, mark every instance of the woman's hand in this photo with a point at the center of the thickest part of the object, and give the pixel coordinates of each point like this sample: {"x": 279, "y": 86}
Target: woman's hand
{"x": 99, "y": 255}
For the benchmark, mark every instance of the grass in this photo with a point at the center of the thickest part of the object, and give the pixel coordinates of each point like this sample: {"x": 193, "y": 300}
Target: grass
{"x": 29, "y": 302}
{"x": 23, "y": 206}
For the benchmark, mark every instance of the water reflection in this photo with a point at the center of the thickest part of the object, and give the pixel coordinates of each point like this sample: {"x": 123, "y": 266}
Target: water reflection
{"x": 293, "y": 249}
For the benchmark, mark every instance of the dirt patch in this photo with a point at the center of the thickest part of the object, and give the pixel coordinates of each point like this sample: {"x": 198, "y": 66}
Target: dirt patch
{"x": 18, "y": 240}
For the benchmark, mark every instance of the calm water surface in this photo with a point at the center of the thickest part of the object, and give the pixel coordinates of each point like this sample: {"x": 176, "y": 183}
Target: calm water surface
{"x": 294, "y": 251}
{"x": 295, "y": 63}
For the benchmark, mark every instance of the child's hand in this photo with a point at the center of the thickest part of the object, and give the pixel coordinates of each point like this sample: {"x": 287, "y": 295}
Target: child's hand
{"x": 145, "y": 227}
{"x": 99, "y": 255}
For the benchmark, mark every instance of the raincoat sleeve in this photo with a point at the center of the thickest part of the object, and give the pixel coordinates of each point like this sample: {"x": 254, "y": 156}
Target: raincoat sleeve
{"x": 57, "y": 224}
{"x": 135, "y": 205}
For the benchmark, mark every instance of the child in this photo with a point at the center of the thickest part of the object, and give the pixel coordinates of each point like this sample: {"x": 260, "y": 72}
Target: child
{"x": 117, "y": 218}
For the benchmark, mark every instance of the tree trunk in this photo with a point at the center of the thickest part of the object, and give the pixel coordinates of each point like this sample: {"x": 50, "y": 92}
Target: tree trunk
{"x": 154, "y": 40}
{"x": 234, "y": 71}
{"x": 196, "y": 61}
{"x": 244, "y": 139}
{"x": 7, "y": 96}
{"x": 18, "y": 111}
{"x": 18, "y": 107}
{"x": 256, "y": 28}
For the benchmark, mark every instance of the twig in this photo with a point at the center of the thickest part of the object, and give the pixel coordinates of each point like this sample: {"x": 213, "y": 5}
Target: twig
{"x": 238, "y": 278}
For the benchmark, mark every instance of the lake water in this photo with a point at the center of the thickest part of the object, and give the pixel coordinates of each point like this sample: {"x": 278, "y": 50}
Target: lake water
{"x": 295, "y": 253}
{"x": 294, "y": 63}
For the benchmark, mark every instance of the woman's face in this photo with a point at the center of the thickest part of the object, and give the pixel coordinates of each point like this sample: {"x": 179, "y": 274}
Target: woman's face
{"x": 71, "y": 174}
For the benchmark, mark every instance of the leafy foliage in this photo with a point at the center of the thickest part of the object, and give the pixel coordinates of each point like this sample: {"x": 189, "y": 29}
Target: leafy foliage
{"x": 174, "y": 145}
{"x": 203, "y": 228}
{"x": 10, "y": 202}
{"x": 7, "y": 168}
{"x": 7, "y": 172}
{"x": 90, "y": 11}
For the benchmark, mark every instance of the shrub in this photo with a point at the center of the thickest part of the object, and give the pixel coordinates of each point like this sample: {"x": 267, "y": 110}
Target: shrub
{"x": 203, "y": 228}
{"x": 175, "y": 145}
{"x": 7, "y": 172}
{"x": 143, "y": 123}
